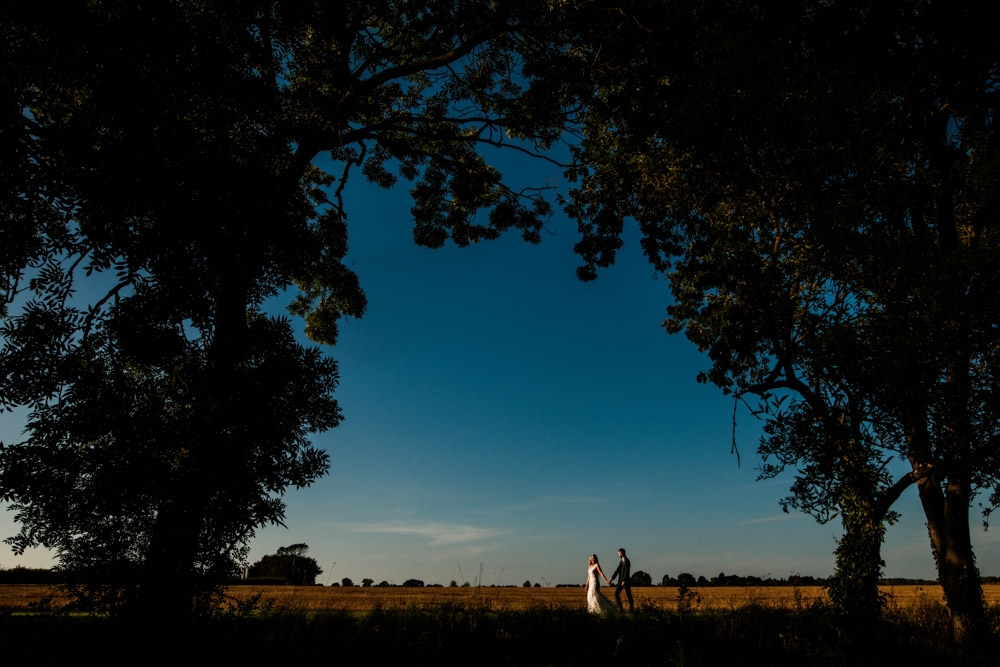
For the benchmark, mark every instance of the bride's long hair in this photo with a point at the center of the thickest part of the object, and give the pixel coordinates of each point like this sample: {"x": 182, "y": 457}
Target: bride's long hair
{"x": 593, "y": 559}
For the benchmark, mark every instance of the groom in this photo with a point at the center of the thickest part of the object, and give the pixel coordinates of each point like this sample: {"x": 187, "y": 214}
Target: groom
{"x": 624, "y": 581}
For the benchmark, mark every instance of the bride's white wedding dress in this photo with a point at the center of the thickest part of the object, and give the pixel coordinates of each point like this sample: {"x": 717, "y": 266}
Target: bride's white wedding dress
{"x": 596, "y": 602}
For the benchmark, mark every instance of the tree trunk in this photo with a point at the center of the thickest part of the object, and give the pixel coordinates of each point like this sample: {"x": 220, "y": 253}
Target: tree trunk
{"x": 947, "y": 514}
{"x": 853, "y": 588}
{"x": 169, "y": 584}
{"x": 172, "y": 586}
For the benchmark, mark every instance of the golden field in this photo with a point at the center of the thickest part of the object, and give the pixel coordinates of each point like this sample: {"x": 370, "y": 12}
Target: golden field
{"x": 27, "y": 597}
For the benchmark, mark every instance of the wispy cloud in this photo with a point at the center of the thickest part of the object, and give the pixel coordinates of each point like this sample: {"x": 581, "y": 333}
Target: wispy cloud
{"x": 437, "y": 533}
{"x": 771, "y": 519}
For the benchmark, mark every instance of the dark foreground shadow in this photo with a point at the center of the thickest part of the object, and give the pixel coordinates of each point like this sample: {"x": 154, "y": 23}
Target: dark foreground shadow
{"x": 461, "y": 635}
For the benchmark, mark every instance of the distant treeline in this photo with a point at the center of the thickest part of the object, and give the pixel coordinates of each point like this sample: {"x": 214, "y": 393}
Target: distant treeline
{"x": 689, "y": 580}
{"x": 722, "y": 579}
{"x": 25, "y": 575}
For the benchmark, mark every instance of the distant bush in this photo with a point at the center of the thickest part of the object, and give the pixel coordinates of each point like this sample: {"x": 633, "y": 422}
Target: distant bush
{"x": 28, "y": 575}
{"x": 641, "y": 578}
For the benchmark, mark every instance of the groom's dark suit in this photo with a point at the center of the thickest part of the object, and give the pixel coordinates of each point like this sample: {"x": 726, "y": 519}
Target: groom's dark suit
{"x": 624, "y": 582}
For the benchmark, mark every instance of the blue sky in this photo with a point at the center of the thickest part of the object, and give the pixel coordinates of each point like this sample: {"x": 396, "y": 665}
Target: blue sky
{"x": 502, "y": 415}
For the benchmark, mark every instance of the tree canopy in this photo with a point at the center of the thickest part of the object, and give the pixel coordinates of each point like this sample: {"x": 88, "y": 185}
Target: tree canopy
{"x": 641, "y": 578}
{"x": 160, "y": 184}
{"x": 819, "y": 181}
{"x": 288, "y": 564}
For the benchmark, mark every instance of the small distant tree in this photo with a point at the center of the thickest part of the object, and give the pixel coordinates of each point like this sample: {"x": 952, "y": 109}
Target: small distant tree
{"x": 466, "y": 585}
{"x": 383, "y": 584}
{"x": 453, "y": 584}
{"x": 413, "y": 583}
{"x": 686, "y": 579}
{"x": 289, "y": 565}
{"x": 346, "y": 581}
{"x": 526, "y": 584}
{"x": 640, "y": 578}
{"x": 367, "y": 583}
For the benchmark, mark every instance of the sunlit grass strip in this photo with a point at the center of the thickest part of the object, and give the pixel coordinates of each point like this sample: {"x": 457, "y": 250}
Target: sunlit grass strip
{"x": 34, "y": 597}
{"x": 318, "y": 598}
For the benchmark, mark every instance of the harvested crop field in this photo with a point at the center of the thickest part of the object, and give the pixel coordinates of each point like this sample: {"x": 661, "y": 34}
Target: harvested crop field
{"x": 28, "y": 597}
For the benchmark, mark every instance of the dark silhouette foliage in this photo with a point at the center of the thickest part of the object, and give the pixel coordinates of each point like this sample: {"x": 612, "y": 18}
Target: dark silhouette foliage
{"x": 641, "y": 578}
{"x": 159, "y": 185}
{"x": 819, "y": 182}
{"x": 289, "y": 565}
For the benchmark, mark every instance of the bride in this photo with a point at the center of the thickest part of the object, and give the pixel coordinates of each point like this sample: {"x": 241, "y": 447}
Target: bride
{"x": 596, "y": 602}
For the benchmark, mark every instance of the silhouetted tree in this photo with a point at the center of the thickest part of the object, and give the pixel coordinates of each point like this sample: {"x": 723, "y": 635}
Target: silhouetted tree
{"x": 819, "y": 182}
{"x": 289, "y": 564}
{"x": 641, "y": 578}
{"x": 685, "y": 579}
{"x": 168, "y": 151}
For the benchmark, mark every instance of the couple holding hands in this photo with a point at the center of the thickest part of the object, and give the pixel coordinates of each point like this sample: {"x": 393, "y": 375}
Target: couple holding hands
{"x": 596, "y": 602}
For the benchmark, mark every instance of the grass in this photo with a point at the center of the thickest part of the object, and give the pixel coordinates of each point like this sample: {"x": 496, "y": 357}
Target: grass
{"x": 503, "y": 626}
{"x": 452, "y": 634}
{"x": 30, "y": 597}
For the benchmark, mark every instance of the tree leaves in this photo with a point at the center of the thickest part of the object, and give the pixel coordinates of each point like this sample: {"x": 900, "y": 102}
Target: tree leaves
{"x": 174, "y": 145}
{"x": 808, "y": 174}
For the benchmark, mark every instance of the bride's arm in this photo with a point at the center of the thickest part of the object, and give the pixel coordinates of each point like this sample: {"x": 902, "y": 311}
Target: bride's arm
{"x": 601, "y": 572}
